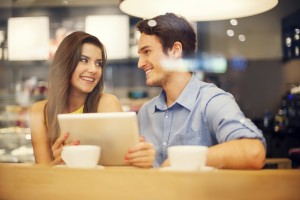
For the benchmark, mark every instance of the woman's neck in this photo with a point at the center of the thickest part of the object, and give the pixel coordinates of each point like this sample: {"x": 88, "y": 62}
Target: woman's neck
{"x": 75, "y": 101}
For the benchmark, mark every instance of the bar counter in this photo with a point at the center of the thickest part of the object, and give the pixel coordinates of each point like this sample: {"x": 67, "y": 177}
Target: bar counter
{"x": 27, "y": 181}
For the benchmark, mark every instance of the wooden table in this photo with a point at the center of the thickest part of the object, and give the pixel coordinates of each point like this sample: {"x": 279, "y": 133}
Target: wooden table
{"x": 21, "y": 181}
{"x": 280, "y": 163}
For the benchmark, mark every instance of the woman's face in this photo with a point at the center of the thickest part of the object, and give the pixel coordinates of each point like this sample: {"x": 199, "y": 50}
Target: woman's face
{"x": 88, "y": 70}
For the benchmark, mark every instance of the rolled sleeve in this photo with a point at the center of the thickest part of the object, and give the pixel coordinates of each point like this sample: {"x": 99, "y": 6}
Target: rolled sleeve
{"x": 228, "y": 122}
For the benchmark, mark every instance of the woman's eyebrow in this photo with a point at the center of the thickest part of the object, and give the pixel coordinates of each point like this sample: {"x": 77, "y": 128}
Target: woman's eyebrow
{"x": 87, "y": 57}
{"x": 84, "y": 56}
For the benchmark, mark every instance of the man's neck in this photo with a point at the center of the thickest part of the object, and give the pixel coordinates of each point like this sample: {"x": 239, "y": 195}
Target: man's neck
{"x": 175, "y": 85}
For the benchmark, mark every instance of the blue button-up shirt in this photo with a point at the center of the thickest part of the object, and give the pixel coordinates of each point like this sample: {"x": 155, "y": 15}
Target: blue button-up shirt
{"x": 203, "y": 114}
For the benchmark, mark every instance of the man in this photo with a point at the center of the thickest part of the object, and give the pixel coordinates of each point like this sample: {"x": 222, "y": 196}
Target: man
{"x": 189, "y": 111}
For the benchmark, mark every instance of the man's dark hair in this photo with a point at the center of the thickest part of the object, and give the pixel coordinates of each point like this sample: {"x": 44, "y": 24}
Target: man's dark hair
{"x": 170, "y": 28}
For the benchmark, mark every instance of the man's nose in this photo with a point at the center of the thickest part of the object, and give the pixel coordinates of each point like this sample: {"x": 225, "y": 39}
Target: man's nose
{"x": 141, "y": 62}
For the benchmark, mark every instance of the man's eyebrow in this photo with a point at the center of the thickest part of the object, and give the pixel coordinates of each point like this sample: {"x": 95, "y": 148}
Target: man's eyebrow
{"x": 143, "y": 48}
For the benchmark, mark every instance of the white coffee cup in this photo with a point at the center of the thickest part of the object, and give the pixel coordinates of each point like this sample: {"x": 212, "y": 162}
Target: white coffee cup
{"x": 190, "y": 158}
{"x": 81, "y": 156}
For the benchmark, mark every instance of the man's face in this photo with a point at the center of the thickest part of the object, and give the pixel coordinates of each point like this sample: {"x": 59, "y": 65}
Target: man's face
{"x": 151, "y": 54}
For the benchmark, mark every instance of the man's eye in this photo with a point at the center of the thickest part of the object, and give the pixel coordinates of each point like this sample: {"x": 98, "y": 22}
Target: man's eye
{"x": 146, "y": 51}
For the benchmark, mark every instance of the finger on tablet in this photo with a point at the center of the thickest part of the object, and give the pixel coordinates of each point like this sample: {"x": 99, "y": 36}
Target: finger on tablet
{"x": 60, "y": 141}
{"x": 76, "y": 142}
{"x": 142, "y": 139}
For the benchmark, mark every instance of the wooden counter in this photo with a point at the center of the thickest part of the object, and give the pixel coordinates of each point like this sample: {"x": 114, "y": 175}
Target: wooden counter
{"x": 21, "y": 181}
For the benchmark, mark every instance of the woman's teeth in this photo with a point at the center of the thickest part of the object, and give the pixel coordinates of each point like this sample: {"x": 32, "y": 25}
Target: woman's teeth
{"x": 87, "y": 79}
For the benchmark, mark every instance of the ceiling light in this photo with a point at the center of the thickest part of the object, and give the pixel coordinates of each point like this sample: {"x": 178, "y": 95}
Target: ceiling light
{"x": 242, "y": 38}
{"x": 230, "y": 33}
{"x": 65, "y": 2}
{"x": 197, "y": 10}
{"x": 233, "y": 22}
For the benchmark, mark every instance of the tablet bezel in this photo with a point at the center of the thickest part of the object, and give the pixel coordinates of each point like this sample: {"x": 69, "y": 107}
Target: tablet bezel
{"x": 114, "y": 132}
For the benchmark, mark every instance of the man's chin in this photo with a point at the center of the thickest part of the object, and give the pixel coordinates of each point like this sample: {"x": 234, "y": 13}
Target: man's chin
{"x": 152, "y": 84}
{"x": 149, "y": 83}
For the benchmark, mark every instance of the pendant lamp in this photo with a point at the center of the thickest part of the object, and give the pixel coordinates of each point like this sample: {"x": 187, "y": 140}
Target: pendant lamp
{"x": 197, "y": 10}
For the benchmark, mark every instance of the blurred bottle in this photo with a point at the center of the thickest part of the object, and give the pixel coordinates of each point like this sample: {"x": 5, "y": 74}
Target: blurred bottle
{"x": 287, "y": 45}
{"x": 281, "y": 121}
{"x": 267, "y": 120}
{"x": 3, "y": 46}
{"x": 296, "y": 42}
{"x": 294, "y": 108}
{"x": 287, "y": 117}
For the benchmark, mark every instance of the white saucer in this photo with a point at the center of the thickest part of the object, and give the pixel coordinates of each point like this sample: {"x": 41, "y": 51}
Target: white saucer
{"x": 207, "y": 168}
{"x": 65, "y": 166}
{"x": 203, "y": 169}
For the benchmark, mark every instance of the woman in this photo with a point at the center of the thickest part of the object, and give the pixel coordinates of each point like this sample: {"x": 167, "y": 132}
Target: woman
{"x": 75, "y": 86}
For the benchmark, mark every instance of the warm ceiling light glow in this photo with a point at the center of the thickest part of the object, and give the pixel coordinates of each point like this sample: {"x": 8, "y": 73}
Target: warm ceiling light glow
{"x": 197, "y": 10}
{"x": 233, "y": 22}
{"x": 230, "y": 33}
{"x": 65, "y": 2}
{"x": 242, "y": 38}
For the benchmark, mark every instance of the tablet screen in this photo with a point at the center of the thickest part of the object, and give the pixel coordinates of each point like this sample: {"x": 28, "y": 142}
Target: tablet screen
{"x": 114, "y": 132}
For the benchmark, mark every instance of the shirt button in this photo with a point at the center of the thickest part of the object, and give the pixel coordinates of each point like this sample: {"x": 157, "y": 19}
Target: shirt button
{"x": 167, "y": 116}
{"x": 164, "y": 143}
{"x": 242, "y": 121}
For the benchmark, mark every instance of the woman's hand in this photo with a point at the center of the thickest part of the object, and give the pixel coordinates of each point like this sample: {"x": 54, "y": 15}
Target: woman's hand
{"x": 57, "y": 148}
{"x": 141, "y": 155}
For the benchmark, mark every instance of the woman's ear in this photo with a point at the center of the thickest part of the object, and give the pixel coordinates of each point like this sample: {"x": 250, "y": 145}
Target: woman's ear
{"x": 176, "y": 51}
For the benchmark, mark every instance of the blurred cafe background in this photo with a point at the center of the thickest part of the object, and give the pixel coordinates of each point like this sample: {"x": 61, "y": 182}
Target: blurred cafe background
{"x": 256, "y": 58}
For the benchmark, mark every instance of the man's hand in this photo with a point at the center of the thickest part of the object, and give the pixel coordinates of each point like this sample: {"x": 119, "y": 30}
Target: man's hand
{"x": 141, "y": 155}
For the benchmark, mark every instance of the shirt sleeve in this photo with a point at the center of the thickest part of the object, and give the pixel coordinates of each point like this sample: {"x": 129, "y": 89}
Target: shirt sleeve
{"x": 227, "y": 121}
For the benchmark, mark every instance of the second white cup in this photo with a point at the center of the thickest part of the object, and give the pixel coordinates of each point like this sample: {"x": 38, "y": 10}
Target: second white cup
{"x": 190, "y": 158}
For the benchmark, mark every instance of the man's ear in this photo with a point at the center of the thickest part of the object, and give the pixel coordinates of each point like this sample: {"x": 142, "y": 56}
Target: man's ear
{"x": 176, "y": 51}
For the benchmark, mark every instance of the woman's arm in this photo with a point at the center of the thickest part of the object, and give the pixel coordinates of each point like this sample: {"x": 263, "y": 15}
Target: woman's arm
{"x": 39, "y": 136}
{"x": 44, "y": 153}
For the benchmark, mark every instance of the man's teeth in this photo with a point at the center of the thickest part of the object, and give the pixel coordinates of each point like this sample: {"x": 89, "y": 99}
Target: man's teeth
{"x": 148, "y": 71}
{"x": 87, "y": 79}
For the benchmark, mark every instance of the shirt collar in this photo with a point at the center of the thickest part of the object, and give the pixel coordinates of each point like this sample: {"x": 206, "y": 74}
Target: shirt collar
{"x": 160, "y": 103}
{"x": 187, "y": 97}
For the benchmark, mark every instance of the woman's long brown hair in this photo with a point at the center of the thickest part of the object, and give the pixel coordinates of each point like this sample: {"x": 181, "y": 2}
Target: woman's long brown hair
{"x": 63, "y": 65}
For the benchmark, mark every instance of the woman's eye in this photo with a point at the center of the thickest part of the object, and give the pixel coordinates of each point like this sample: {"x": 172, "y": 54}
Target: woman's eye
{"x": 84, "y": 60}
{"x": 99, "y": 64}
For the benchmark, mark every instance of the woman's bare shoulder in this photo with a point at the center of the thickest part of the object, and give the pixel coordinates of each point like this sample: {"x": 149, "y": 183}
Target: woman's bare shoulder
{"x": 109, "y": 103}
{"x": 36, "y": 113}
{"x": 108, "y": 97}
{"x": 38, "y": 106}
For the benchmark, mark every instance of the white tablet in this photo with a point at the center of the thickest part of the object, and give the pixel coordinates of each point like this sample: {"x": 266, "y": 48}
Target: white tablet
{"x": 114, "y": 132}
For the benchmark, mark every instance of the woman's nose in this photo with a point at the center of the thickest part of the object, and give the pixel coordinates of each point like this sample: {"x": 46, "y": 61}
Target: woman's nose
{"x": 92, "y": 67}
